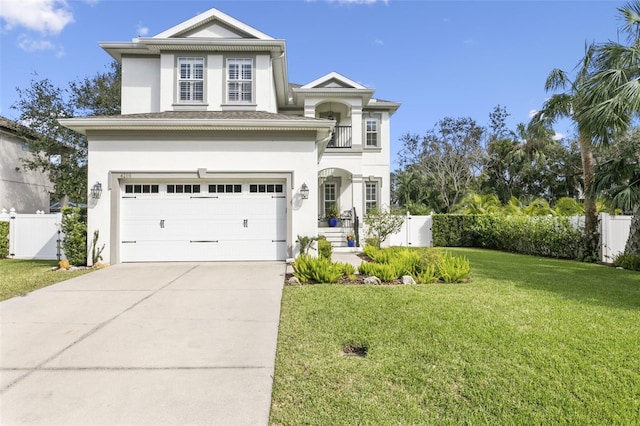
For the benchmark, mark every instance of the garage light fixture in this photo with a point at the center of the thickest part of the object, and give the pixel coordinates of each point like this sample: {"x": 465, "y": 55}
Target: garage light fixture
{"x": 96, "y": 191}
{"x": 304, "y": 191}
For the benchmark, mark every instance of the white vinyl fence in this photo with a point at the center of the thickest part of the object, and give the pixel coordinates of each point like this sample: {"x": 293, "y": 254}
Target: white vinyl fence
{"x": 33, "y": 236}
{"x": 614, "y": 231}
{"x": 415, "y": 232}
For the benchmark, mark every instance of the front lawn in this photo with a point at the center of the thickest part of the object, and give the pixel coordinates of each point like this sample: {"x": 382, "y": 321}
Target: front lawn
{"x": 19, "y": 277}
{"x": 529, "y": 341}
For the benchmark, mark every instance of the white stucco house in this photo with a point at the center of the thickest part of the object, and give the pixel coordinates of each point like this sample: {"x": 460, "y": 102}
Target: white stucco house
{"x": 216, "y": 156}
{"x": 26, "y": 191}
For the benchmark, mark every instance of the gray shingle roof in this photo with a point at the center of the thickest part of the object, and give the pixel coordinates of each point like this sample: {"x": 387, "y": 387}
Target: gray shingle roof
{"x": 207, "y": 115}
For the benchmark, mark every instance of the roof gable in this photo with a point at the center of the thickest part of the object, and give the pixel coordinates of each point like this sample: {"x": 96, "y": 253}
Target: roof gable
{"x": 333, "y": 80}
{"x": 213, "y": 24}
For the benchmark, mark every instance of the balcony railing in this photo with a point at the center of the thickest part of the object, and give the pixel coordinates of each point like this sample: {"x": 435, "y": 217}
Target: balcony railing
{"x": 341, "y": 137}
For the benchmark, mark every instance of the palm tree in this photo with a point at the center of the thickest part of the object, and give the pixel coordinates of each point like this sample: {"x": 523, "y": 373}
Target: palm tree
{"x": 613, "y": 88}
{"x": 479, "y": 204}
{"x": 571, "y": 103}
{"x": 618, "y": 179}
{"x": 613, "y": 99}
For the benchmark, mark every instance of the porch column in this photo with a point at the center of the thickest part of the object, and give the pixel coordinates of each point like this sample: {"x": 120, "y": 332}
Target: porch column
{"x": 356, "y": 127}
{"x": 357, "y": 195}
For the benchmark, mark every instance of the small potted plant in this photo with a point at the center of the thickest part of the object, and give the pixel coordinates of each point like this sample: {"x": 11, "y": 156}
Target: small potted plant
{"x": 351, "y": 240}
{"x": 332, "y": 214}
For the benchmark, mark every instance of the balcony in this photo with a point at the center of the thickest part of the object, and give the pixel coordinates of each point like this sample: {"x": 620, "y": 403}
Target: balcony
{"x": 341, "y": 138}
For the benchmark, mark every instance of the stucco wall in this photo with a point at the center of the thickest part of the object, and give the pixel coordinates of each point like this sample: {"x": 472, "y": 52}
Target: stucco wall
{"x": 290, "y": 154}
{"x": 149, "y": 83}
{"x": 25, "y": 190}
{"x": 140, "y": 85}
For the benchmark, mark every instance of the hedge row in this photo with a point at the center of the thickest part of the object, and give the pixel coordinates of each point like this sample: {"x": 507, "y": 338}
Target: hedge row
{"x": 4, "y": 239}
{"x": 537, "y": 235}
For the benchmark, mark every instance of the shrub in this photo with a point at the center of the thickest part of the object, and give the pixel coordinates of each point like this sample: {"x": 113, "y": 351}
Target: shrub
{"x": 628, "y": 261}
{"x": 428, "y": 275}
{"x": 455, "y": 230}
{"x": 382, "y": 223}
{"x": 536, "y": 235}
{"x": 74, "y": 227}
{"x": 452, "y": 269}
{"x": 347, "y": 270}
{"x": 4, "y": 239}
{"x": 566, "y": 206}
{"x": 383, "y": 271}
{"x": 372, "y": 242}
{"x": 317, "y": 269}
{"x": 324, "y": 248}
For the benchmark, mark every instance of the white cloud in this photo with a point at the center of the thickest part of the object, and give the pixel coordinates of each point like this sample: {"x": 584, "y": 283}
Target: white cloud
{"x": 379, "y": 42}
{"x": 558, "y": 136}
{"x": 32, "y": 45}
{"x": 532, "y": 113}
{"x": 43, "y": 16}
{"x": 141, "y": 30}
{"x": 28, "y": 44}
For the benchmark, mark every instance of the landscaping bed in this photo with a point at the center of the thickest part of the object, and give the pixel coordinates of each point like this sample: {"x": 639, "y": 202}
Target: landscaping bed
{"x": 389, "y": 266}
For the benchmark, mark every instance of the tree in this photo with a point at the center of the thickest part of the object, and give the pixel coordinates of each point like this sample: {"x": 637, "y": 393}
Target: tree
{"x": 479, "y": 204}
{"x": 55, "y": 149}
{"x": 449, "y": 158}
{"x": 571, "y": 103}
{"x": 618, "y": 179}
{"x": 526, "y": 164}
{"x": 59, "y": 151}
{"x": 381, "y": 223}
{"x": 613, "y": 103}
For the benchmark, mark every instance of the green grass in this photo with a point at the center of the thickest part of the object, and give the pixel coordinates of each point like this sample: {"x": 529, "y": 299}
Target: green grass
{"x": 529, "y": 341}
{"x": 19, "y": 277}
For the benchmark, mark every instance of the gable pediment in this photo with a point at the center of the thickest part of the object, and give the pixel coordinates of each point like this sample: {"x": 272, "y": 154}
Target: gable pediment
{"x": 333, "y": 81}
{"x": 213, "y": 24}
{"x": 214, "y": 29}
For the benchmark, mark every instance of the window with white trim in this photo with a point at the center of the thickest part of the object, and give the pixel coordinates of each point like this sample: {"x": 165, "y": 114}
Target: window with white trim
{"x": 371, "y": 130}
{"x": 191, "y": 80}
{"x": 240, "y": 80}
{"x": 330, "y": 191}
{"x": 371, "y": 196}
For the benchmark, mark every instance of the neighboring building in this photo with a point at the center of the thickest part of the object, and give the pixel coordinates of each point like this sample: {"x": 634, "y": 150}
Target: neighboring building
{"x": 26, "y": 191}
{"x": 214, "y": 146}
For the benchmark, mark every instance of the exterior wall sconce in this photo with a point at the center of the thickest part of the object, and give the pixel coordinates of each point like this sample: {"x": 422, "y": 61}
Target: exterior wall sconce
{"x": 304, "y": 191}
{"x": 96, "y": 191}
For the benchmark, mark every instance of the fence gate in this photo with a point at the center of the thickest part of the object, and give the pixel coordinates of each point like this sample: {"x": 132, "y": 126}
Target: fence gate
{"x": 33, "y": 236}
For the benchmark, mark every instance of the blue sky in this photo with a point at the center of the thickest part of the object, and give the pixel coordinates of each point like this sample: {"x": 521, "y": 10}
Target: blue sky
{"x": 437, "y": 58}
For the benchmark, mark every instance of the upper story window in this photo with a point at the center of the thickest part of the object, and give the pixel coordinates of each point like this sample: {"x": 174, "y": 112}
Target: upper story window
{"x": 191, "y": 80}
{"x": 372, "y": 132}
{"x": 240, "y": 80}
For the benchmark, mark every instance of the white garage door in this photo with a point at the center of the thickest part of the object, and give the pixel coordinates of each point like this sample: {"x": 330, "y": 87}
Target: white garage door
{"x": 202, "y": 222}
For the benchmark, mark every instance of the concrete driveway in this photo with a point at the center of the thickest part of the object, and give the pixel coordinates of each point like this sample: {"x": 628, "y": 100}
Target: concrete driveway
{"x": 152, "y": 344}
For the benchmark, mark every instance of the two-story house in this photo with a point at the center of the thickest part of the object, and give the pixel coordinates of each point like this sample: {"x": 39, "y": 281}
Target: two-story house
{"x": 216, "y": 156}
{"x": 26, "y": 191}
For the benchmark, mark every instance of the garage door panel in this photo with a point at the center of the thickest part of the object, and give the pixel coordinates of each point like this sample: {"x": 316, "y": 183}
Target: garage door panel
{"x": 203, "y": 227}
